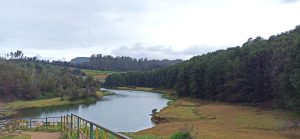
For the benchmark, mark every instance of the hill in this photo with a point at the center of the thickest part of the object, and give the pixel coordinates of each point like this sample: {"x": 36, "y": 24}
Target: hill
{"x": 80, "y": 60}
{"x": 261, "y": 71}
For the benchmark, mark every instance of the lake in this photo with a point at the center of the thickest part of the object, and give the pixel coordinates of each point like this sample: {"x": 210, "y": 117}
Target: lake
{"x": 126, "y": 111}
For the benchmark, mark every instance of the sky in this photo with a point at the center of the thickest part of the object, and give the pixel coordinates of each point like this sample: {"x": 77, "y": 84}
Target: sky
{"x": 153, "y": 29}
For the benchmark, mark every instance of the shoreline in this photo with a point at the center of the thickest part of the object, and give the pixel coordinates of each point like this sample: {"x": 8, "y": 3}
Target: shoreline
{"x": 166, "y": 93}
{"x": 11, "y": 108}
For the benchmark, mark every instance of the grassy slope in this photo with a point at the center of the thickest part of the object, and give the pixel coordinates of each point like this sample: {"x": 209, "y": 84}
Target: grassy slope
{"x": 211, "y": 120}
{"x": 97, "y": 74}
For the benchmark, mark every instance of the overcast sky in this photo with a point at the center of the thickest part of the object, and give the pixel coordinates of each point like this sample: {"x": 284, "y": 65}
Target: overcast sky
{"x": 154, "y": 29}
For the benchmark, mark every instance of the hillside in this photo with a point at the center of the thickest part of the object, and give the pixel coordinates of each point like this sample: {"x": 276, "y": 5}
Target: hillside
{"x": 260, "y": 71}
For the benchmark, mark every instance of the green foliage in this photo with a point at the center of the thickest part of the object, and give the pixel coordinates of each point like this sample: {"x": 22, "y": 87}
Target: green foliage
{"x": 181, "y": 135}
{"x": 21, "y": 78}
{"x": 261, "y": 71}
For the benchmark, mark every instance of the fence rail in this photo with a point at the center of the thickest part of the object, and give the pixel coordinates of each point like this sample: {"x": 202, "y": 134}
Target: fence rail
{"x": 36, "y": 124}
{"x": 74, "y": 126}
{"x": 79, "y": 128}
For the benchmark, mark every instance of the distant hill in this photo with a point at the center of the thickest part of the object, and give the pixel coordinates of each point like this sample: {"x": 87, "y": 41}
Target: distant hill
{"x": 79, "y": 60}
{"x": 119, "y": 63}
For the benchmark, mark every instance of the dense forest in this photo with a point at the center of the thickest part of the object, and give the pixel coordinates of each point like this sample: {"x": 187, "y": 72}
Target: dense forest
{"x": 263, "y": 71}
{"x": 28, "y": 78}
{"x": 110, "y": 63}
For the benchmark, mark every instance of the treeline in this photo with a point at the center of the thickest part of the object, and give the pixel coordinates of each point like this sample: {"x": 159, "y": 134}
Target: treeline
{"x": 110, "y": 63}
{"x": 261, "y": 71}
{"x": 28, "y": 78}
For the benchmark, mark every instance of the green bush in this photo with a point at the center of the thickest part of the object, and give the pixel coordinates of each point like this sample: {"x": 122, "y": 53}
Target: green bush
{"x": 181, "y": 135}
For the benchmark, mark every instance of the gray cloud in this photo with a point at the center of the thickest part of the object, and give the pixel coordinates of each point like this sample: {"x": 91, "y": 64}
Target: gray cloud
{"x": 139, "y": 50}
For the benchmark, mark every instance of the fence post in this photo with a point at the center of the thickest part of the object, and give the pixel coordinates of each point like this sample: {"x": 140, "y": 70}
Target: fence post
{"x": 30, "y": 123}
{"x": 71, "y": 125}
{"x": 78, "y": 127}
{"x": 46, "y": 123}
{"x": 61, "y": 123}
{"x": 97, "y": 133}
{"x": 65, "y": 123}
{"x": 91, "y": 131}
{"x": 105, "y": 134}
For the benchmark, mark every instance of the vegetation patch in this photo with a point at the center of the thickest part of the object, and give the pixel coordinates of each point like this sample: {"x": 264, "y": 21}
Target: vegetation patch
{"x": 23, "y": 104}
{"x": 98, "y": 74}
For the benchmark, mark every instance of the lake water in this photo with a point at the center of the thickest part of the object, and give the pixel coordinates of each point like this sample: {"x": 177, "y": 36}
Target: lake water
{"x": 126, "y": 111}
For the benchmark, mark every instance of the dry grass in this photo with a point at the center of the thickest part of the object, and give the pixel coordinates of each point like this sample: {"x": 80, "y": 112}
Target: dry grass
{"x": 209, "y": 120}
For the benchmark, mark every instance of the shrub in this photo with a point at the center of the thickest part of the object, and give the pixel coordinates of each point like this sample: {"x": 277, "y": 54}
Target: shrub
{"x": 181, "y": 135}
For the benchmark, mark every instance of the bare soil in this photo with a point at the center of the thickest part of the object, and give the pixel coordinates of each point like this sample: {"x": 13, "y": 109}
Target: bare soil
{"x": 43, "y": 135}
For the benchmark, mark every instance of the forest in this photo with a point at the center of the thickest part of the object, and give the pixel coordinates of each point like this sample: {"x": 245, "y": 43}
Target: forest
{"x": 261, "y": 71}
{"x": 119, "y": 63}
{"x": 28, "y": 78}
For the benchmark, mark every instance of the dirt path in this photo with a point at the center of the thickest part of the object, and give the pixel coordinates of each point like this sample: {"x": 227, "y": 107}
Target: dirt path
{"x": 43, "y": 135}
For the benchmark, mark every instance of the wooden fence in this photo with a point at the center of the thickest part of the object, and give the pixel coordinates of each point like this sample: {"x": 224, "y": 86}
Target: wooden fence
{"x": 73, "y": 126}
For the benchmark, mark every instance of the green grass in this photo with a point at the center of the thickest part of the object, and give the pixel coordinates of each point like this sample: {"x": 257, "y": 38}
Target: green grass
{"x": 96, "y": 72}
{"x": 22, "y": 104}
{"x": 133, "y": 136}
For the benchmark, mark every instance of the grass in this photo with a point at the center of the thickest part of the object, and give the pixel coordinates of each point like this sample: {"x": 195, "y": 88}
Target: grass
{"x": 104, "y": 93}
{"x": 21, "y": 104}
{"x": 209, "y": 120}
{"x": 10, "y": 136}
{"x": 98, "y": 74}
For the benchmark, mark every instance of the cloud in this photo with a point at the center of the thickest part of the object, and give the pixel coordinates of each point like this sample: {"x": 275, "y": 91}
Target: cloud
{"x": 289, "y": 1}
{"x": 285, "y": 1}
{"x": 139, "y": 50}
{"x": 64, "y": 24}
{"x": 70, "y": 28}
